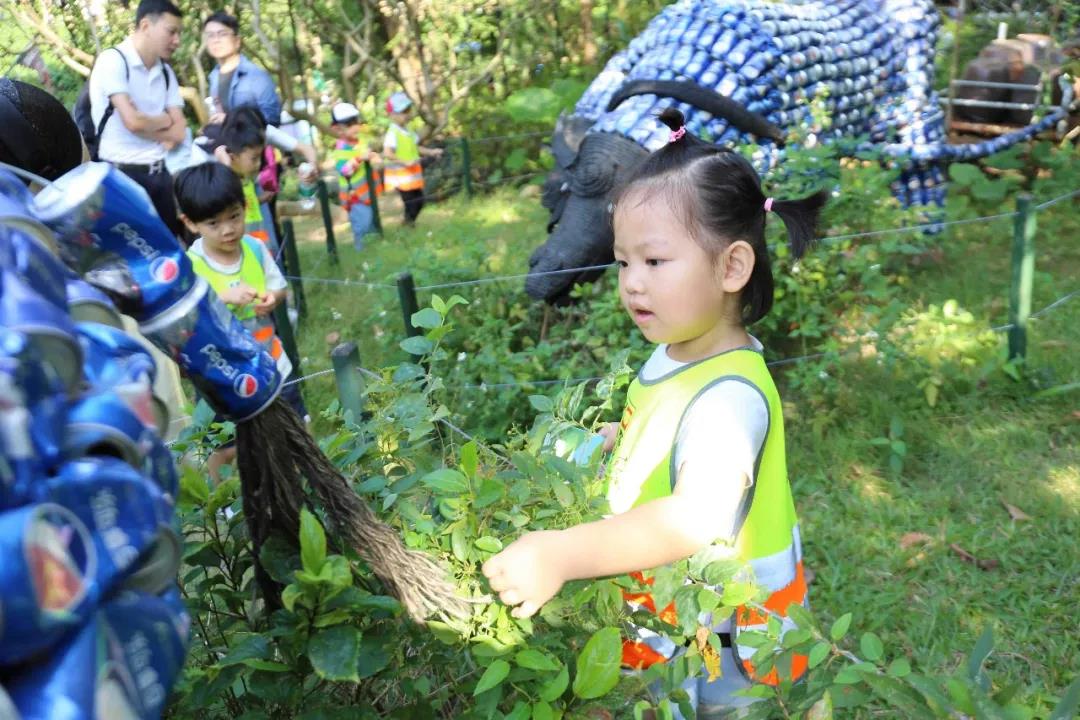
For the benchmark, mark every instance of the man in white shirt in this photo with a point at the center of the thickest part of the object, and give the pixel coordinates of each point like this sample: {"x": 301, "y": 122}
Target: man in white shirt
{"x": 145, "y": 120}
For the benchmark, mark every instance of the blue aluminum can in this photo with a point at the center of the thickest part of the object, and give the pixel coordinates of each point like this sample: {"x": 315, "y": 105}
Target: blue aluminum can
{"x": 47, "y": 326}
{"x": 119, "y": 666}
{"x": 33, "y": 401}
{"x": 110, "y": 234}
{"x": 48, "y": 563}
{"x": 235, "y": 375}
{"x": 88, "y": 304}
{"x": 116, "y": 361}
{"x": 123, "y": 510}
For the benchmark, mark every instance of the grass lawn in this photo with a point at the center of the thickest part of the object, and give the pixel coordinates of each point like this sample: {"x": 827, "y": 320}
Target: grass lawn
{"x": 978, "y": 525}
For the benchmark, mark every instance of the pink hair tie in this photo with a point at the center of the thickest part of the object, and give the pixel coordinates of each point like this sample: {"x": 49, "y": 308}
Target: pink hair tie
{"x": 676, "y": 134}
{"x": 768, "y": 204}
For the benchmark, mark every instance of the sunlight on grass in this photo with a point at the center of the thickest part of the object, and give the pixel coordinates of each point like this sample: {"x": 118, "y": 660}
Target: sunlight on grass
{"x": 1065, "y": 481}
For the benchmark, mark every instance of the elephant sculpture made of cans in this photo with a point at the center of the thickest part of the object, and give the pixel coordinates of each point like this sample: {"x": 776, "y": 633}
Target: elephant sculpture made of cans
{"x": 745, "y": 72}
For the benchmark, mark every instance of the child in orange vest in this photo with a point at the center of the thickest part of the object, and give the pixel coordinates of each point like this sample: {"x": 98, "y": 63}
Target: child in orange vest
{"x": 402, "y": 152}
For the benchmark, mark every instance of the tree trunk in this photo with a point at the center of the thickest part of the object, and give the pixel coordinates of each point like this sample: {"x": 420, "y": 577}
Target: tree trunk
{"x": 588, "y": 39}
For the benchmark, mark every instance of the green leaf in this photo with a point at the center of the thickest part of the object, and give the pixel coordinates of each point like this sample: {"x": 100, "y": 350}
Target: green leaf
{"x": 193, "y": 487}
{"x": 801, "y": 616}
{"x": 290, "y": 595}
{"x": 417, "y": 345}
{"x": 818, "y": 653}
{"x": 470, "y": 462}
{"x": 899, "y": 668}
{"x": 335, "y": 652}
{"x": 496, "y": 672}
{"x": 840, "y": 627}
{"x": 541, "y": 403}
{"x": 598, "y": 664}
{"x": 459, "y": 544}
{"x": 446, "y": 481}
{"x": 871, "y": 647}
{"x": 488, "y": 544}
{"x": 253, "y": 647}
{"x": 542, "y": 711}
{"x": 266, "y": 665}
{"x": 373, "y": 656}
{"x": 427, "y": 318}
{"x": 738, "y": 593}
{"x": 964, "y": 173}
{"x": 555, "y": 687}
{"x": 312, "y": 543}
{"x": 522, "y": 711}
{"x": 822, "y": 709}
{"x": 535, "y": 660}
{"x": 1069, "y": 704}
{"x": 983, "y": 647}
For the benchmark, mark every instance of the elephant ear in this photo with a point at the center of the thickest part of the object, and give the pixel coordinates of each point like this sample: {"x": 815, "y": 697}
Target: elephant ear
{"x": 566, "y": 140}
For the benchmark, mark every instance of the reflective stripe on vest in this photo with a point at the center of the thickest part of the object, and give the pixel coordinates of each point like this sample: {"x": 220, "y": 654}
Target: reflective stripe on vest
{"x": 766, "y": 534}
{"x": 354, "y": 189}
{"x": 251, "y": 274}
{"x": 254, "y": 225}
{"x": 406, "y": 173}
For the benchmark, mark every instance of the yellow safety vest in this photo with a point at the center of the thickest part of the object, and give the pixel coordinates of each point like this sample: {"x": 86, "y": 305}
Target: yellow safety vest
{"x": 250, "y": 273}
{"x": 254, "y": 223}
{"x": 406, "y": 173}
{"x": 767, "y": 532}
{"x": 353, "y": 189}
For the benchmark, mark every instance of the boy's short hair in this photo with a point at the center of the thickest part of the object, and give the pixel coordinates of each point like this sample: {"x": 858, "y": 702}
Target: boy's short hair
{"x": 154, "y": 9}
{"x": 206, "y": 190}
{"x": 223, "y": 18}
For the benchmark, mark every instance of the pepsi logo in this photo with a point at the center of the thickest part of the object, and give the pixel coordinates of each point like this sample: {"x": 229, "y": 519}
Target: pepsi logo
{"x": 245, "y": 385}
{"x": 164, "y": 270}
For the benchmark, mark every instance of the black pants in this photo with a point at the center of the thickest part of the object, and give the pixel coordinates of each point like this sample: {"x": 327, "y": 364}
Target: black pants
{"x": 159, "y": 186}
{"x": 414, "y": 203}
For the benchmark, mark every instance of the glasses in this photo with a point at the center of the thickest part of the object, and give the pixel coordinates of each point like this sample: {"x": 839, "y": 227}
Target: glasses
{"x": 218, "y": 34}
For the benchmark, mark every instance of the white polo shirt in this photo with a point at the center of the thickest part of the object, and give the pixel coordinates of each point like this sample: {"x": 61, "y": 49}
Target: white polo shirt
{"x": 146, "y": 87}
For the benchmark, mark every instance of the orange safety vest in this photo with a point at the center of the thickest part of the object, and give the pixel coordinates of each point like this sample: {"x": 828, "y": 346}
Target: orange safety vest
{"x": 406, "y": 173}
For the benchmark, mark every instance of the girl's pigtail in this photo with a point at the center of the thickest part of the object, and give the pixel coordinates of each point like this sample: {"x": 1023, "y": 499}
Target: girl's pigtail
{"x": 800, "y": 218}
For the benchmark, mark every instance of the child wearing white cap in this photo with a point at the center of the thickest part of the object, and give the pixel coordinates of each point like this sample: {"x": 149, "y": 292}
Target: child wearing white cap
{"x": 349, "y": 155}
{"x": 402, "y": 152}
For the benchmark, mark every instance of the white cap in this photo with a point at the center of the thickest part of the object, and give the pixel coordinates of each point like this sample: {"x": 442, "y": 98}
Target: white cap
{"x": 344, "y": 112}
{"x": 398, "y": 102}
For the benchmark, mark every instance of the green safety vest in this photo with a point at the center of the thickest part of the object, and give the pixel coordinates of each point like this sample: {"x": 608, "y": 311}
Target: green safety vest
{"x": 251, "y": 273}
{"x": 641, "y": 468}
{"x": 354, "y": 189}
{"x": 254, "y": 223}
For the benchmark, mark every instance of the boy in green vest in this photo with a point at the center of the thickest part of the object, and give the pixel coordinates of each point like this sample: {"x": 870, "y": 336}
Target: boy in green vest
{"x": 349, "y": 155}
{"x": 238, "y": 267}
{"x": 401, "y": 153}
{"x": 240, "y": 142}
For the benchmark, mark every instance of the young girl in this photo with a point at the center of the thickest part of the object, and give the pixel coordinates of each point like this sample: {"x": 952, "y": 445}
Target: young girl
{"x": 699, "y": 453}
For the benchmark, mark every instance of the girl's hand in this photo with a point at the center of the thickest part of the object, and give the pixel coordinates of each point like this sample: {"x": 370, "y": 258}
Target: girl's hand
{"x": 528, "y": 572}
{"x": 239, "y": 295}
{"x": 265, "y": 304}
{"x": 609, "y": 431}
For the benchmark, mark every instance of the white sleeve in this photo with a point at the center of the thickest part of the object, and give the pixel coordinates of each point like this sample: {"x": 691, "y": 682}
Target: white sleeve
{"x": 720, "y": 441}
{"x": 274, "y": 279}
{"x": 281, "y": 139}
{"x": 390, "y": 141}
{"x": 108, "y": 75}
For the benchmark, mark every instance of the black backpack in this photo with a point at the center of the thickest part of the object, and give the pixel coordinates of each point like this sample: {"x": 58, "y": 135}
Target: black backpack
{"x": 91, "y": 134}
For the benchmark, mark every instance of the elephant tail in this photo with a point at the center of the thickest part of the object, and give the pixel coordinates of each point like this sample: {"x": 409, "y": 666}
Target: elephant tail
{"x": 703, "y": 99}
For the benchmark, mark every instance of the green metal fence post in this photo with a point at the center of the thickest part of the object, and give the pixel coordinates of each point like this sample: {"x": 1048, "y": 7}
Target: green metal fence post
{"x": 328, "y": 223}
{"x": 292, "y": 263}
{"x": 409, "y": 307}
{"x": 350, "y": 383}
{"x": 466, "y": 168}
{"x": 376, "y": 222}
{"x": 285, "y": 333}
{"x": 1023, "y": 270}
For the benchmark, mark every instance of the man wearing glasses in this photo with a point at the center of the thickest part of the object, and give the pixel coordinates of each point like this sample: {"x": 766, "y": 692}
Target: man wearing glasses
{"x": 235, "y": 80}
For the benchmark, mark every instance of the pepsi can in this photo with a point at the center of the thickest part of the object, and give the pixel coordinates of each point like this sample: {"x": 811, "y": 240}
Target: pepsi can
{"x": 47, "y": 567}
{"x": 232, "y": 371}
{"x": 120, "y": 666}
{"x": 110, "y": 234}
{"x": 116, "y": 361}
{"x": 31, "y": 422}
{"x": 88, "y": 304}
{"x": 48, "y": 326}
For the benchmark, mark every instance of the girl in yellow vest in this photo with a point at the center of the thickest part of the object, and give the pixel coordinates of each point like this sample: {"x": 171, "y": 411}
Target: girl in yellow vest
{"x": 401, "y": 154}
{"x": 239, "y": 268}
{"x": 698, "y": 458}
